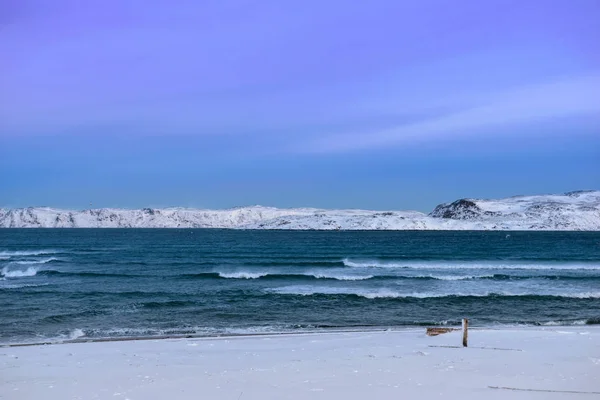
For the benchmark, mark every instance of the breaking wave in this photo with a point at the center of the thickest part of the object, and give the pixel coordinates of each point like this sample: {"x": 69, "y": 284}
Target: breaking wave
{"x": 30, "y": 262}
{"x": 242, "y": 275}
{"x": 9, "y": 254}
{"x": 267, "y": 275}
{"x": 342, "y": 277}
{"x": 299, "y": 276}
{"x": 494, "y": 277}
{"x": 21, "y": 286}
{"x": 18, "y": 273}
{"x": 388, "y": 293}
{"x": 469, "y": 265}
{"x": 293, "y": 263}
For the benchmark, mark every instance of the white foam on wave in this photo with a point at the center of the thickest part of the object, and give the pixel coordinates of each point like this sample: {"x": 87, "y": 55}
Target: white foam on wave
{"x": 22, "y": 285}
{"x": 448, "y": 277}
{"x": 563, "y": 323}
{"x": 584, "y": 295}
{"x": 32, "y": 262}
{"x": 19, "y": 273}
{"x": 76, "y": 333}
{"x": 340, "y": 277}
{"x": 469, "y": 265}
{"x": 367, "y": 293}
{"x": 8, "y": 254}
{"x": 388, "y": 293}
{"x": 242, "y": 275}
{"x": 145, "y": 332}
{"x": 317, "y": 275}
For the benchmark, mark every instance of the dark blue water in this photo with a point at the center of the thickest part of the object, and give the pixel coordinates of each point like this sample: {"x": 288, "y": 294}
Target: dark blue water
{"x": 134, "y": 282}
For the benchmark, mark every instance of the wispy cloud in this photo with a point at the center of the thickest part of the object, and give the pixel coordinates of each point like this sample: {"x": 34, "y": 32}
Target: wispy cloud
{"x": 569, "y": 97}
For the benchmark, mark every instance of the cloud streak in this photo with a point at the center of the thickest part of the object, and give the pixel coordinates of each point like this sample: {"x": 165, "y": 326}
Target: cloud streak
{"x": 564, "y": 98}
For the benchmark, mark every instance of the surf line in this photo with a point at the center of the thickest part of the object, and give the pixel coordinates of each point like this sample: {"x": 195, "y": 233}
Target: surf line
{"x": 541, "y": 390}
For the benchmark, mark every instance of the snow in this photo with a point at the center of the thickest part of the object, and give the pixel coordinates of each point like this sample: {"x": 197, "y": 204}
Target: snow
{"x": 570, "y": 211}
{"x": 515, "y": 363}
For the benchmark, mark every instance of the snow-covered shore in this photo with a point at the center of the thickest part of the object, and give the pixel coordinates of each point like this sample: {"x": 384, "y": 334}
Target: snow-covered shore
{"x": 516, "y": 363}
{"x": 571, "y": 211}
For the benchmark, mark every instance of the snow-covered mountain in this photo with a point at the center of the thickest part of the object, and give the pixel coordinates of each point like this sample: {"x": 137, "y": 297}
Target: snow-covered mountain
{"x": 570, "y": 211}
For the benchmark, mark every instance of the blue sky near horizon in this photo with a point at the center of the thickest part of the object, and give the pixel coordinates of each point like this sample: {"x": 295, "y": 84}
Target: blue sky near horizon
{"x": 382, "y": 105}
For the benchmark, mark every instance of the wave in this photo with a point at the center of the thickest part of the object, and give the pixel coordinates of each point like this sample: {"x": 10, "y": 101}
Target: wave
{"x": 316, "y": 275}
{"x": 275, "y": 276}
{"x": 91, "y": 333}
{"x": 22, "y": 285}
{"x": 495, "y": 277}
{"x": 9, "y": 254}
{"x": 284, "y": 263}
{"x": 61, "y": 318}
{"x": 391, "y": 294}
{"x": 50, "y": 272}
{"x": 357, "y": 277}
{"x": 342, "y": 277}
{"x": 242, "y": 275}
{"x": 563, "y": 323}
{"x": 75, "y": 334}
{"x": 116, "y": 333}
{"x": 220, "y": 262}
{"x": 470, "y": 265}
{"x": 451, "y": 277}
{"x": 33, "y": 262}
{"x": 18, "y": 273}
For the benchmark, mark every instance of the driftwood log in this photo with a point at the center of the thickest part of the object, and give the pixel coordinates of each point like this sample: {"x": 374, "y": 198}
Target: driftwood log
{"x": 439, "y": 331}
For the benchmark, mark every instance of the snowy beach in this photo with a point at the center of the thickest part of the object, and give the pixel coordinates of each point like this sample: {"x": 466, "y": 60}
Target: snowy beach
{"x": 516, "y": 363}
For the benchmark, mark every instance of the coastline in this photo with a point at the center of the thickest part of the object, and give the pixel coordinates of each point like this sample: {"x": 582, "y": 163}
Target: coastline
{"x": 571, "y": 211}
{"x": 299, "y": 332}
{"x": 564, "y": 360}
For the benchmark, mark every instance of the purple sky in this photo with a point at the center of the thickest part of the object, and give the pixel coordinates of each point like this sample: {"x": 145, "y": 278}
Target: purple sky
{"x": 306, "y": 78}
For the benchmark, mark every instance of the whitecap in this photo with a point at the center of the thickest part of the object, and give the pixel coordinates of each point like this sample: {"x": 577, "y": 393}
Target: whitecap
{"x": 458, "y": 265}
{"x": 563, "y": 323}
{"x": 8, "y": 254}
{"x": 76, "y": 333}
{"x": 23, "y": 285}
{"x": 389, "y": 293}
{"x": 584, "y": 295}
{"x": 19, "y": 273}
{"x": 30, "y": 262}
{"x": 367, "y": 293}
{"x": 340, "y": 277}
{"x": 453, "y": 277}
{"x": 242, "y": 275}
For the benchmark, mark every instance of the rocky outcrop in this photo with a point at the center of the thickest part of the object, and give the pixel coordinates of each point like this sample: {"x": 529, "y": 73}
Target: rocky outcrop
{"x": 460, "y": 209}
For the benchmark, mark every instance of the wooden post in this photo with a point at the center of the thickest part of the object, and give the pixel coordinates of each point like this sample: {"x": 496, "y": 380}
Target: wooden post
{"x": 465, "y": 326}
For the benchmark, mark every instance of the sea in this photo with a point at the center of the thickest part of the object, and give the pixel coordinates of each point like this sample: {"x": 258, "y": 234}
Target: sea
{"x": 65, "y": 284}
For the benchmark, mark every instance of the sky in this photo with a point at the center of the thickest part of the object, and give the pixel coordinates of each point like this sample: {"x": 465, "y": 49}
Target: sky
{"x": 379, "y": 105}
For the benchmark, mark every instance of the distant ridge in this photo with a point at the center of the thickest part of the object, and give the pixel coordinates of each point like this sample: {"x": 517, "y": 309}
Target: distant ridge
{"x": 576, "y": 211}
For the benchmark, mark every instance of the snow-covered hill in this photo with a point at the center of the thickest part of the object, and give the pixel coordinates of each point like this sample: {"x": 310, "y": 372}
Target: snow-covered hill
{"x": 571, "y": 211}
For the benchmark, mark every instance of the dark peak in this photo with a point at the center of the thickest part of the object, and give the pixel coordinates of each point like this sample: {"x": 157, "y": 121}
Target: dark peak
{"x": 460, "y": 209}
